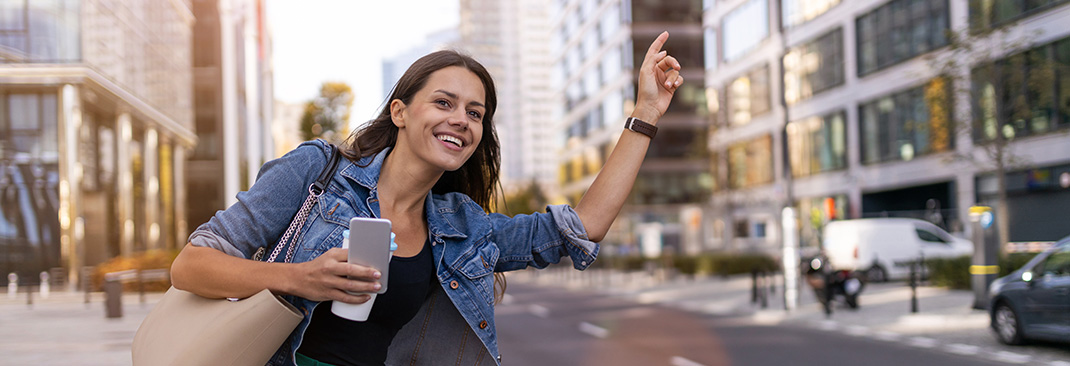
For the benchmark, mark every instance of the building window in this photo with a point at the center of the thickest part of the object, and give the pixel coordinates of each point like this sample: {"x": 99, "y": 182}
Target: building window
{"x": 40, "y": 31}
{"x": 818, "y": 144}
{"x": 710, "y": 41}
{"x": 744, "y": 28}
{"x": 795, "y": 12}
{"x": 750, "y": 163}
{"x": 678, "y": 143}
{"x": 907, "y": 124}
{"x": 990, "y": 13}
{"x": 653, "y": 188}
{"x": 30, "y": 126}
{"x": 898, "y": 31}
{"x": 1023, "y": 95}
{"x": 814, "y": 67}
{"x": 748, "y": 96}
{"x": 677, "y": 11}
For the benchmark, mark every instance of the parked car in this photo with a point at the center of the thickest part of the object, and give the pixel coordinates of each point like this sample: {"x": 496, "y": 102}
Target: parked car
{"x": 883, "y": 248}
{"x": 1033, "y": 302}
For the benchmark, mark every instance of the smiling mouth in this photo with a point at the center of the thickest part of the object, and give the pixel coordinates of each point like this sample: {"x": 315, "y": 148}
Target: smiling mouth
{"x": 451, "y": 139}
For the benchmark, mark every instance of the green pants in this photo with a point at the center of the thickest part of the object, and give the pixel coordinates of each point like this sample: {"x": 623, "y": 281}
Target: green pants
{"x": 303, "y": 360}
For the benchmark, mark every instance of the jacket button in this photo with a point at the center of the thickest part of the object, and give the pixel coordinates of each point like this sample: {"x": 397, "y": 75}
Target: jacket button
{"x": 483, "y": 324}
{"x": 453, "y": 285}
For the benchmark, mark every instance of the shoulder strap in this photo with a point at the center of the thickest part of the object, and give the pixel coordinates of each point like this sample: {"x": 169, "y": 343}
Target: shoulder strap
{"x": 289, "y": 238}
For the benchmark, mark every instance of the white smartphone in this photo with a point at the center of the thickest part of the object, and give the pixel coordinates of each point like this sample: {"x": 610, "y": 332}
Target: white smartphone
{"x": 369, "y": 245}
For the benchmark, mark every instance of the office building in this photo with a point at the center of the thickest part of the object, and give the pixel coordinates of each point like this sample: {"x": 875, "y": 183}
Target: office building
{"x": 842, "y": 110}
{"x": 96, "y": 121}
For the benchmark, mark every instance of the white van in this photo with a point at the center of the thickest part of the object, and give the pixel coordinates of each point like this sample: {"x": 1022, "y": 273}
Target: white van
{"x": 884, "y": 247}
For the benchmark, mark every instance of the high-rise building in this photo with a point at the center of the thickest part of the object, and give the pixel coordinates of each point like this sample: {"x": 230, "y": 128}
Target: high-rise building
{"x": 233, "y": 99}
{"x": 396, "y": 66}
{"x": 96, "y": 119}
{"x": 597, "y": 47}
{"x": 842, "y": 110}
{"x": 511, "y": 39}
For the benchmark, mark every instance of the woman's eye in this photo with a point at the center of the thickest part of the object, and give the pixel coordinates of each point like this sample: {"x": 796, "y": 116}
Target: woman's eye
{"x": 475, "y": 114}
{"x": 443, "y": 102}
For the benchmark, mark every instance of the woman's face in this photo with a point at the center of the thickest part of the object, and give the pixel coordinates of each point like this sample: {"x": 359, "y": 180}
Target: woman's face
{"x": 443, "y": 123}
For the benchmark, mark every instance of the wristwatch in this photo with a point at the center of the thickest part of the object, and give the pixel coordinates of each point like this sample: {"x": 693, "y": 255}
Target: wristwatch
{"x": 637, "y": 125}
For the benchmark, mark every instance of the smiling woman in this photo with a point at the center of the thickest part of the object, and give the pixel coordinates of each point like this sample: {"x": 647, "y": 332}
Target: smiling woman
{"x": 428, "y": 163}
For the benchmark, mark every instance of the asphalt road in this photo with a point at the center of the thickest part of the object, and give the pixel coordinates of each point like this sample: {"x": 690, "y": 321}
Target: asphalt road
{"x": 542, "y": 326}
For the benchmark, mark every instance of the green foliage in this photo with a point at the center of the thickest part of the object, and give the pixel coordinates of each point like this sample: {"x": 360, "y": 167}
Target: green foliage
{"x": 722, "y": 264}
{"x": 327, "y": 116}
{"x": 954, "y": 273}
{"x": 526, "y": 201}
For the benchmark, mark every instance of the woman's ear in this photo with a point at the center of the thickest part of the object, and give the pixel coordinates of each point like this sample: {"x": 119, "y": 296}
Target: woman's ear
{"x": 397, "y": 112}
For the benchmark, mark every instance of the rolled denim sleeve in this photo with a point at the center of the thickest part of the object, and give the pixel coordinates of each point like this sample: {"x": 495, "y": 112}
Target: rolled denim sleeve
{"x": 541, "y": 239}
{"x": 261, "y": 214}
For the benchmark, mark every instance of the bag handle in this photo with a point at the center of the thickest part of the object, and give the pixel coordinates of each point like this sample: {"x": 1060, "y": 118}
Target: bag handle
{"x": 289, "y": 239}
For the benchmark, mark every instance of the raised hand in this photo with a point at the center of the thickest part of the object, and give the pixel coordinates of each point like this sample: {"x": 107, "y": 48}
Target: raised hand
{"x": 659, "y": 77}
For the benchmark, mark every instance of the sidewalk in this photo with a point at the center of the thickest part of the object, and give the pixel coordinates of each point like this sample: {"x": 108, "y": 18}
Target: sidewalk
{"x": 64, "y": 330}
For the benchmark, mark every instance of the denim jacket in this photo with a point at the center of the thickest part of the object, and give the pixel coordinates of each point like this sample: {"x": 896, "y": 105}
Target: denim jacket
{"x": 468, "y": 245}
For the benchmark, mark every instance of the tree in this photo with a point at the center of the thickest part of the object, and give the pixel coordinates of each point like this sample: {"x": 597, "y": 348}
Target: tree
{"x": 327, "y": 115}
{"x": 525, "y": 201}
{"x": 1008, "y": 81}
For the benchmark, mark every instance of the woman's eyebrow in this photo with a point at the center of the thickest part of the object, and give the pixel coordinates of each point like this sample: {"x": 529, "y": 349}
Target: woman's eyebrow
{"x": 454, "y": 97}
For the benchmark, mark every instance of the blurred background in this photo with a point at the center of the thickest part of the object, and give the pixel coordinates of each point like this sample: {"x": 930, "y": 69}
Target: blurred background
{"x": 125, "y": 124}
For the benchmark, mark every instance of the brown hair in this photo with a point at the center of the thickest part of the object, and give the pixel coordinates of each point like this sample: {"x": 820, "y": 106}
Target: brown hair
{"x": 478, "y": 177}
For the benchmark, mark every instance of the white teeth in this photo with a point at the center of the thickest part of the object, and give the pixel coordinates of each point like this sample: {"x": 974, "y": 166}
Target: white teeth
{"x": 451, "y": 139}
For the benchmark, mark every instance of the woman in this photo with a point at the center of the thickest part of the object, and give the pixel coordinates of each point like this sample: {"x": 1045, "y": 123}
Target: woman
{"x": 428, "y": 163}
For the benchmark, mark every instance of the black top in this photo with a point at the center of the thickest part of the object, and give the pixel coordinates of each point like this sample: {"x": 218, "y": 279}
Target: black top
{"x": 342, "y": 342}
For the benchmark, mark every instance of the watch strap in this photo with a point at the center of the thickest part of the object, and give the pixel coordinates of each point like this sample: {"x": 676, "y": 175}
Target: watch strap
{"x": 637, "y": 125}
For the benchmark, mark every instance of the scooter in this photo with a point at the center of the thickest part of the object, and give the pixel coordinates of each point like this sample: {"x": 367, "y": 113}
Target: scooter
{"x": 829, "y": 284}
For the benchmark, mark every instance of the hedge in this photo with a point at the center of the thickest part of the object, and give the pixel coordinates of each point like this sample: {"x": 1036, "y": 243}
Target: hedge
{"x": 955, "y": 272}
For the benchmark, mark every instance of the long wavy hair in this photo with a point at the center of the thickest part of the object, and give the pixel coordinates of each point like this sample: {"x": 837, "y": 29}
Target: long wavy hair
{"x": 478, "y": 176}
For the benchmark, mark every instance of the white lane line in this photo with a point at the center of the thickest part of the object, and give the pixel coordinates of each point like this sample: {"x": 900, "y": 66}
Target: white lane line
{"x": 680, "y": 361}
{"x": 887, "y": 336}
{"x": 539, "y": 311}
{"x": 962, "y": 349}
{"x": 594, "y": 330}
{"x": 856, "y": 330}
{"x": 921, "y": 342}
{"x": 507, "y": 299}
{"x": 1059, "y": 363}
{"x": 1011, "y": 357}
{"x": 827, "y": 325}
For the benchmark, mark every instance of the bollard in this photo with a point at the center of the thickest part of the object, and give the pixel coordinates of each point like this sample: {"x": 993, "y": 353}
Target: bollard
{"x": 12, "y": 285}
{"x": 914, "y": 287}
{"x": 84, "y": 281}
{"x": 113, "y": 298}
{"x": 45, "y": 285}
{"x": 754, "y": 286}
{"x": 765, "y": 294}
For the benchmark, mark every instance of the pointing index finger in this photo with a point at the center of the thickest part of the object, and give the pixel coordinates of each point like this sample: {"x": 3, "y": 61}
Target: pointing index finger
{"x": 655, "y": 47}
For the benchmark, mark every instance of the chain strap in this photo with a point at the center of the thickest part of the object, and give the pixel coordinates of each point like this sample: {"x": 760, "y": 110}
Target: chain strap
{"x": 295, "y": 225}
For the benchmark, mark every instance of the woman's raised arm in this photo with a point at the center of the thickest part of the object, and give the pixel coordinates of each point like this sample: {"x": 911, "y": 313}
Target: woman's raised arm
{"x": 659, "y": 76}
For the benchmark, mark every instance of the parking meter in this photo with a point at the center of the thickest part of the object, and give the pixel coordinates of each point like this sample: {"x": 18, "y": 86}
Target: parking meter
{"x": 984, "y": 267}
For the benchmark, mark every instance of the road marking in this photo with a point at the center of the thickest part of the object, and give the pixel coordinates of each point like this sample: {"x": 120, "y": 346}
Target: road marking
{"x": 1011, "y": 357}
{"x": 962, "y": 349}
{"x": 856, "y": 330}
{"x": 1059, "y": 363}
{"x": 887, "y": 336}
{"x": 539, "y": 311}
{"x": 594, "y": 330}
{"x": 680, "y": 361}
{"x": 827, "y": 325}
{"x": 922, "y": 342}
{"x": 507, "y": 299}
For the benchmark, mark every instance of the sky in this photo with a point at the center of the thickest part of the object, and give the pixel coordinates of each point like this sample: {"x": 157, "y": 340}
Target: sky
{"x": 346, "y": 40}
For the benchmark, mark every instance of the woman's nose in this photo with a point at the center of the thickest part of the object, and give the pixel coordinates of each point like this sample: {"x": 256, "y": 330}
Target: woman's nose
{"x": 458, "y": 120}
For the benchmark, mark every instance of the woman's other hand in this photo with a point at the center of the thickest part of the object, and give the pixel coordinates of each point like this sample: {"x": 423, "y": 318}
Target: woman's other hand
{"x": 659, "y": 77}
{"x": 330, "y": 275}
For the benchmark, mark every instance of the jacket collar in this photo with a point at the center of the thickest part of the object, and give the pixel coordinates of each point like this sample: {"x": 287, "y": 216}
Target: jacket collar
{"x": 366, "y": 173}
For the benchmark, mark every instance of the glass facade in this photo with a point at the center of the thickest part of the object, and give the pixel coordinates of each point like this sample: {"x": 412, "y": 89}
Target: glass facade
{"x": 750, "y": 163}
{"x": 907, "y": 124}
{"x": 898, "y": 31}
{"x": 29, "y": 181}
{"x": 818, "y": 144}
{"x": 676, "y": 187}
{"x": 744, "y": 28}
{"x": 989, "y": 13}
{"x": 748, "y": 96}
{"x": 1023, "y": 95}
{"x": 814, "y": 213}
{"x": 40, "y": 31}
{"x": 685, "y": 11}
{"x": 795, "y": 12}
{"x": 814, "y": 67}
